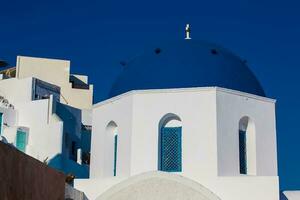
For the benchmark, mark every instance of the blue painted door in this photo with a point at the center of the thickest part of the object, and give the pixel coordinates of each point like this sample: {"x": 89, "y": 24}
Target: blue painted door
{"x": 21, "y": 140}
{"x": 171, "y": 149}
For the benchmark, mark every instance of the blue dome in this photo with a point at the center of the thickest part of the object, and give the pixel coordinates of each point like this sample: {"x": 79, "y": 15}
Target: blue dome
{"x": 185, "y": 64}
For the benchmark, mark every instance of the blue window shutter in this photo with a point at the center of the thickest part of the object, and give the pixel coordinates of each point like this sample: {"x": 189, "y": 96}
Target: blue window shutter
{"x": 243, "y": 152}
{"x": 115, "y": 154}
{"x": 21, "y": 140}
{"x": 171, "y": 159}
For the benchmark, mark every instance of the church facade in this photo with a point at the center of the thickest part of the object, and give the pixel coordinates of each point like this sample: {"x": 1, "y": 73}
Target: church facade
{"x": 187, "y": 120}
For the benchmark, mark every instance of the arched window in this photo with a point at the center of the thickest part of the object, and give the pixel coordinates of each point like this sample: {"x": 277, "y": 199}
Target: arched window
{"x": 169, "y": 149}
{"x": 111, "y": 147}
{"x": 115, "y": 153}
{"x": 247, "y": 152}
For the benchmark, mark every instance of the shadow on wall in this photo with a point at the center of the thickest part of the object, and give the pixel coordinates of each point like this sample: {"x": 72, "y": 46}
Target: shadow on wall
{"x": 77, "y": 83}
{"x": 283, "y": 197}
{"x": 74, "y": 138}
{"x": 69, "y": 166}
{"x": 71, "y": 118}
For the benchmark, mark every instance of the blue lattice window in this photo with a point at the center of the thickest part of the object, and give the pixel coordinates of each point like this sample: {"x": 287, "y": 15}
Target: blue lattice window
{"x": 170, "y": 149}
{"x": 243, "y": 152}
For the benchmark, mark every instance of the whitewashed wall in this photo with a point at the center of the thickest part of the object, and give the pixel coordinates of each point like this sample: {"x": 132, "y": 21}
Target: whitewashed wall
{"x": 9, "y": 117}
{"x": 16, "y": 91}
{"x": 45, "y": 139}
{"x": 230, "y": 109}
{"x": 210, "y": 123}
{"x": 198, "y": 117}
{"x": 9, "y": 121}
{"x": 120, "y": 112}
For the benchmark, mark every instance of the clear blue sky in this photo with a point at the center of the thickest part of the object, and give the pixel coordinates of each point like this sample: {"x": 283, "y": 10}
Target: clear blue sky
{"x": 97, "y": 35}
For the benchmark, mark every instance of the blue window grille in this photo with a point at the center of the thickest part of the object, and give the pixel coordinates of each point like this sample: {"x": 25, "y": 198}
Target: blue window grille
{"x": 243, "y": 152}
{"x": 170, "y": 149}
{"x": 115, "y": 154}
{"x": 21, "y": 140}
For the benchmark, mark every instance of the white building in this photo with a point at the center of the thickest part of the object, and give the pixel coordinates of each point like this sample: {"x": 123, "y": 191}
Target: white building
{"x": 186, "y": 120}
{"x": 45, "y": 111}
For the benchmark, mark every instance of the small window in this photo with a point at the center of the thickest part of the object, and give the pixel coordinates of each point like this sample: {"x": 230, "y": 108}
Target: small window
{"x": 243, "y": 152}
{"x": 247, "y": 146}
{"x": 111, "y": 147}
{"x": 115, "y": 154}
{"x": 1, "y": 122}
{"x": 21, "y": 140}
{"x": 171, "y": 149}
{"x": 170, "y": 144}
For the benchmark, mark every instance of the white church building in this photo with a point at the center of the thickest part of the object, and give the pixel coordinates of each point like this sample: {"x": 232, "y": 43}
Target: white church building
{"x": 185, "y": 120}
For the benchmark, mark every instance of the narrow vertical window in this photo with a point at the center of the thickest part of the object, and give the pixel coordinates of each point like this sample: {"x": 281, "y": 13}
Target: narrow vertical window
{"x": 170, "y": 144}
{"x": 243, "y": 151}
{"x": 115, "y": 154}
{"x": 1, "y": 123}
{"x": 247, "y": 146}
{"x": 21, "y": 140}
{"x": 171, "y": 149}
{"x": 112, "y": 141}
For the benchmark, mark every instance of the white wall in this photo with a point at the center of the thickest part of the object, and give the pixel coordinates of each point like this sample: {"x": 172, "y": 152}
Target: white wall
{"x": 16, "y": 91}
{"x": 9, "y": 121}
{"x": 86, "y": 117}
{"x": 119, "y": 111}
{"x": 138, "y": 128}
{"x": 210, "y": 123}
{"x": 197, "y": 113}
{"x": 44, "y": 139}
{"x": 9, "y": 117}
{"x": 230, "y": 109}
{"x": 33, "y": 113}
